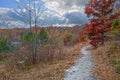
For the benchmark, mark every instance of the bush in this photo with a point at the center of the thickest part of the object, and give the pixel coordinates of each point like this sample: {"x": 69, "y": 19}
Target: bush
{"x": 28, "y": 37}
{"x": 118, "y": 69}
{"x": 115, "y": 27}
{"x": 4, "y": 45}
{"x": 114, "y": 24}
{"x": 67, "y": 39}
{"x": 117, "y": 36}
{"x": 113, "y": 48}
{"x": 43, "y": 36}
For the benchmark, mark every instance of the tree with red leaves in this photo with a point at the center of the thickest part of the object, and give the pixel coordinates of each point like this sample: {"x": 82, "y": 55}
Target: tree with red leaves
{"x": 101, "y": 16}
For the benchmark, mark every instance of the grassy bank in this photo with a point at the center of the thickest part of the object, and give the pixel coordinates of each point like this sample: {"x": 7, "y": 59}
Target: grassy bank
{"x": 107, "y": 64}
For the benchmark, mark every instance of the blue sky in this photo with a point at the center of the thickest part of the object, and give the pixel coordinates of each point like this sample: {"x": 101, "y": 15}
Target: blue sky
{"x": 54, "y": 12}
{"x": 8, "y": 3}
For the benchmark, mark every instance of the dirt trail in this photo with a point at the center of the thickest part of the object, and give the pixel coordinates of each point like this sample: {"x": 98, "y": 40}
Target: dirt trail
{"x": 82, "y": 68}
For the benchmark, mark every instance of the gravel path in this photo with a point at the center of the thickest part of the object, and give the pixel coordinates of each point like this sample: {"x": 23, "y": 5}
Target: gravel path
{"x": 83, "y": 67}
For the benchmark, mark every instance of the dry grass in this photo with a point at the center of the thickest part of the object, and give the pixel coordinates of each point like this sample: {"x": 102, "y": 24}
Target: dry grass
{"x": 50, "y": 70}
{"x": 103, "y": 68}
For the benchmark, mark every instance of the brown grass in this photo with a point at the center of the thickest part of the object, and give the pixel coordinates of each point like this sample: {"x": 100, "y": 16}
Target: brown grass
{"x": 103, "y": 68}
{"x": 45, "y": 70}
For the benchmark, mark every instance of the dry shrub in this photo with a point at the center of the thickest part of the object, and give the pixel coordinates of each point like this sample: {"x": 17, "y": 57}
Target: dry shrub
{"x": 25, "y": 57}
{"x": 54, "y": 69}
{"x": 50, "y": 53}
{"x": 103, "y": 68}
{"x": 3, "y": 76}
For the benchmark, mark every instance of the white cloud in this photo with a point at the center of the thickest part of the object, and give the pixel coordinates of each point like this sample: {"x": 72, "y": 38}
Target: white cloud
{"x": 9, "y": 18}
{"x": 53, "y": 12}
{"x": 18, "y": 10}
{"x": 64, "y": 6}
{"x": 36, "y": 2}
{"x": 4, "y": 10}
{"x": 24, "y": 10}
{"x": 17, "y": 0}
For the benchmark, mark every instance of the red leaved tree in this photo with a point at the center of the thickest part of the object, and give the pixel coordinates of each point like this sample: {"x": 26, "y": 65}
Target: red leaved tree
{"x": 101, "y": 17}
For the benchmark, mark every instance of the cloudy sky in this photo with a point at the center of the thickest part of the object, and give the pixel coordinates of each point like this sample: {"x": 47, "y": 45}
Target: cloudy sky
{"x": 15, "y": 13}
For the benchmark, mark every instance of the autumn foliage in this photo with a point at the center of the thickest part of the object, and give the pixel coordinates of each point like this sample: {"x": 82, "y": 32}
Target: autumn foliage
{"x": 67, "y": 39}
{"x": 101, "y": 17}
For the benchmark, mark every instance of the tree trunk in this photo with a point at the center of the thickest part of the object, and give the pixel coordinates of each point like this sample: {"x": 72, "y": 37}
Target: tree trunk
{"x": 102, "y": 40}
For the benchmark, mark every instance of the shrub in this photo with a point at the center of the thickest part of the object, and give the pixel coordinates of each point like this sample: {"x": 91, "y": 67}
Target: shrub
{"x": 118, "y": 69}
{"x": 28, "y": 37}
{"x": 67, "y": 39}
{"x": 43, "y": 36}
{"x": 4, "y": 45}
{"x": 114, "y": 24}
{"x": 113, "y": 47}
{"x": 115, "y": 27}
{"x": 117, "y": 36}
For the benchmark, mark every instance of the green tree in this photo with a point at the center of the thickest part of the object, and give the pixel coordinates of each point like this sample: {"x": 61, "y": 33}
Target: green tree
{"x": 4, "y": 45}
{"x": 43, "y": 36}
{"x": 115, "y": 30}
{"x": 28, "y": 37}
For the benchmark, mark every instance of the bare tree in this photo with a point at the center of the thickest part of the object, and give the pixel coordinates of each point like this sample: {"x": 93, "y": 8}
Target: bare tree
{"x": 30, "y": 11}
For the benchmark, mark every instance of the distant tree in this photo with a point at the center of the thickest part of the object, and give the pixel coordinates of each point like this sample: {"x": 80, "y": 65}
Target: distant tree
{"x": 43, "y": 36}
{"x": 101, "y": 17}
{"x": 27, "y": 37}
{"x": 4, "y": 45}
{"x": 7, "y": 28}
